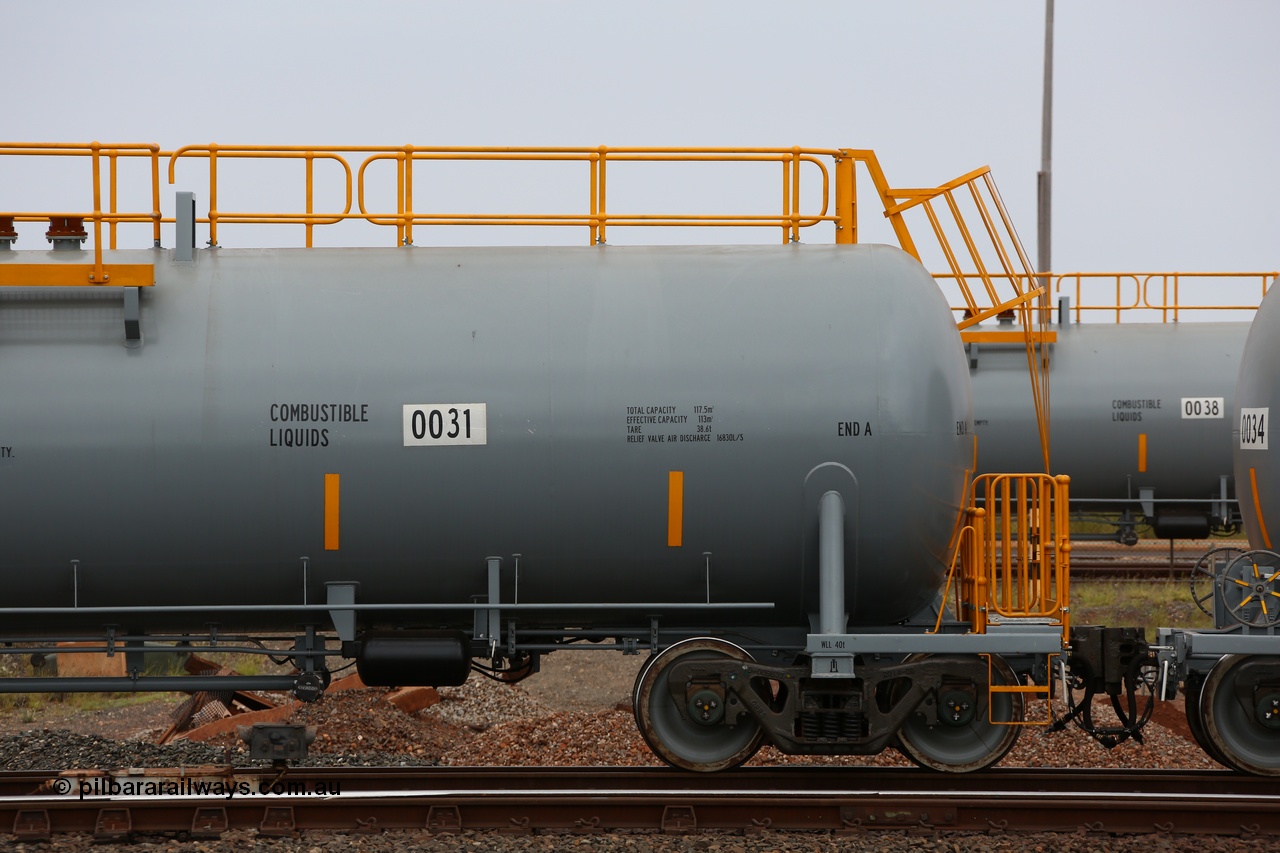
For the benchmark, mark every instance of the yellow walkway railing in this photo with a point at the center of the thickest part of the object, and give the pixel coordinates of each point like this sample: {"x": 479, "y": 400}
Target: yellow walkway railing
{"x": 1015, "y": 552}
{"x": 1144, "y": 296}
{"x": 828, "y": 176}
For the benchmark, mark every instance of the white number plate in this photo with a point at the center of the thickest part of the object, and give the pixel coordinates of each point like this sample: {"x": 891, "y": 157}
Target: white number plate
{"x": 1253, "y": 428}
{"x": 438, "y": 424}
{"x": 1202, "y": 407}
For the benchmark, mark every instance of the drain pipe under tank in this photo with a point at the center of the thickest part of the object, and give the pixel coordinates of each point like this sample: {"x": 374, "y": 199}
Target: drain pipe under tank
{"x": 831, "y": 615}
{"x": 830, "y": 656}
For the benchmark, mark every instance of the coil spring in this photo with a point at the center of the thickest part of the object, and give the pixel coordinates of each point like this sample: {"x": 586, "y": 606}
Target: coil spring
{"x": 833, "y": 726}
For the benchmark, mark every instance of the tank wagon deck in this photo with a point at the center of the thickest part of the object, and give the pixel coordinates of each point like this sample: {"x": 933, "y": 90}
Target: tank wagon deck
{"x": 446, "y": 459}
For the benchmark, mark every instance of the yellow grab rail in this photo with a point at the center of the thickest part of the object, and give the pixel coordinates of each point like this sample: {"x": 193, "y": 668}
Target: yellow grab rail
{"x": 1016, "y": 558}
{"x": 997, "y": 259}
{"x": 95, "y": 151}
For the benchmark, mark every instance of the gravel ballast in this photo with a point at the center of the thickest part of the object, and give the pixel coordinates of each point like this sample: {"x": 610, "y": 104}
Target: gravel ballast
{"x": 485, "y": 723}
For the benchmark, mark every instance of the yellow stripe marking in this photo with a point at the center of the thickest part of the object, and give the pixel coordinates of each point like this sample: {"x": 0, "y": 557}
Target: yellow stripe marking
{"x": 76, "y": 275}
{"x": 1257, "y": 507}
{"x": 675, "y": 508}
{"x": 1142, "y": 453}
{"x": 331, "y": 512}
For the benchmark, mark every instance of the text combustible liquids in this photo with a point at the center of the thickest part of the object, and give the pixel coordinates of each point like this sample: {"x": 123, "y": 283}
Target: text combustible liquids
{"x": 312, "y": 413}
{"x": 1131, "y": 410}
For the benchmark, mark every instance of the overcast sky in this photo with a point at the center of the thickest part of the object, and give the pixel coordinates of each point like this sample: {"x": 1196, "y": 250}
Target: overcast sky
{"x": 1166, "y": 114}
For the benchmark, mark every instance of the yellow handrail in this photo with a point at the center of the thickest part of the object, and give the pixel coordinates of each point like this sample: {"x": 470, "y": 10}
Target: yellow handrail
{"x": 1017, "y": 562}
{"x": 836, "y": 203}
{"x": 95, "y": 151}
{"x": 1144, "y": 296}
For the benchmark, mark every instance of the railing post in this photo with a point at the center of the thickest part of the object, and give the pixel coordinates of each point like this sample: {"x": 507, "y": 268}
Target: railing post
{"x": 593, "y": 203}
{"x": 98, "y": 276}
{"x": 155, "y": 195}
{"x": 846, "y": 200}
{"x": 310, "y": 170}
{"x": 795, "y": 194}
{"x": 400, "y": 198}
{"x": 111, "y": 194}
{"x": 786, "y": 201}
{"x": 982, "y": 556}
{"x": 213, "y": 195}
{"x": 602, "y": 211}
{"x": 408, "y": 195}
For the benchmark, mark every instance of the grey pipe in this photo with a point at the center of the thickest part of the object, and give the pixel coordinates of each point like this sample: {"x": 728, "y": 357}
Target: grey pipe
{"x": 831, "y": 612}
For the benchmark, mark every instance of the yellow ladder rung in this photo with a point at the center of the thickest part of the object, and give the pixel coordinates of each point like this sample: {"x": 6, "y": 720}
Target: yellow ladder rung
{"x": 1016, "y": 688}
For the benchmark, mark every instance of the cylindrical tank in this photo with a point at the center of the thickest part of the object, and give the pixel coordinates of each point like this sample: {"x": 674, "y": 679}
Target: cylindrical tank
{"x": 1135, "y": 407}
{"x": 639, "y": 424}
{"x": 1257, "y": 467}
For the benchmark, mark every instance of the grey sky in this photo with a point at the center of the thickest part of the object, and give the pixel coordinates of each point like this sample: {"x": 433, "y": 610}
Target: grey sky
{"x": 1166, "y": 113}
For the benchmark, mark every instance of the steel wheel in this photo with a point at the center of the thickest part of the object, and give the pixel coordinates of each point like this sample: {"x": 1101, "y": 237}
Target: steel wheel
{"x": 676, "y": 738}
{"x": 1191, "y": 692}
{"x": 1240, "y": 711}
{"x": 1205, "y": 572}
{"x": 1251, "y": 588}
{"x": 966, "y": 739}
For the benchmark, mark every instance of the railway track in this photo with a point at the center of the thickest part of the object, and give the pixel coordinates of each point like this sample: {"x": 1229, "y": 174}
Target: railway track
{"x": 1155, "y": 560}
{"x": 38, "y": 806}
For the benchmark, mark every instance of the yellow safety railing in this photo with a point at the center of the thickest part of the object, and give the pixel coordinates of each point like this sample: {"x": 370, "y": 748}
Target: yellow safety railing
{"x": 1160, "y": 292}
{"x": 595, "y": 217}
{"x": 834, "y": 196}
{"x": 1146, "y": 296}
{"x": 988, "y": 262}
{"x": 97, "y": 152}
{"x": 1015, "y": 553}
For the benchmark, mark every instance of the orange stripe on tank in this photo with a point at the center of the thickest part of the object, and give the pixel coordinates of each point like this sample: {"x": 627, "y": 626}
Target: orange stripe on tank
{"x": 675, "y": 508}
{"x": 1257, "y": 507}
{"x": 331, "y": 512}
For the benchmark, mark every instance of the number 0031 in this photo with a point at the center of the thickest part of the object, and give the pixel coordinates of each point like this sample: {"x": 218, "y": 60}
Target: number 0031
{"x": 440, "y": 424}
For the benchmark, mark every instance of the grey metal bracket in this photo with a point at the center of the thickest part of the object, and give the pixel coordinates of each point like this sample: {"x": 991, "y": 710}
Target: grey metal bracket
{"x": 133, "y": 317}
{"x": 489, "y": 621}
{"x": 184, "y": 224}
{"x": 1022, "y": 642}
{"x": 344, "y": 620}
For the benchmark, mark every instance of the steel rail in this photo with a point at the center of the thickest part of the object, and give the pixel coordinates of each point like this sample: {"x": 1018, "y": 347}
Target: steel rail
{"x": 586, "y": 800}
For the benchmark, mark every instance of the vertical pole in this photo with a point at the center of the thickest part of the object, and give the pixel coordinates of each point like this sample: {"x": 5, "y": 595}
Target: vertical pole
{"x": 213, "y": 195}
{"x": 786, "y": 201}
{"x": 593, "y": 205}
{"x": 98, "y": 276}
{"x": 603, "y": 209}
{"x": 111, "y": 192}
{"x": 408, "y": 195}
{"x": 795, "y": 194}
{"x": 1044, "y": 178}
{"x": 846, "y": 200}
{"x": 155, "y": 195}
{"x": 310, "y": 172}
{"x": 831, "y": 564}
{"x": 400, "y": 199}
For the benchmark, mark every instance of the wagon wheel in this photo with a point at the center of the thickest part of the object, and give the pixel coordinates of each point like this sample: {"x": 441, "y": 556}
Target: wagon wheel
{"x": 1251, "y": 588}
{"x": 686, "y": 740}
{"x": 1247, "y": 735}
{"x": 1191, "y": 707}
{"x": 970, "y": 736}
{"x": 1205, "y": 572}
